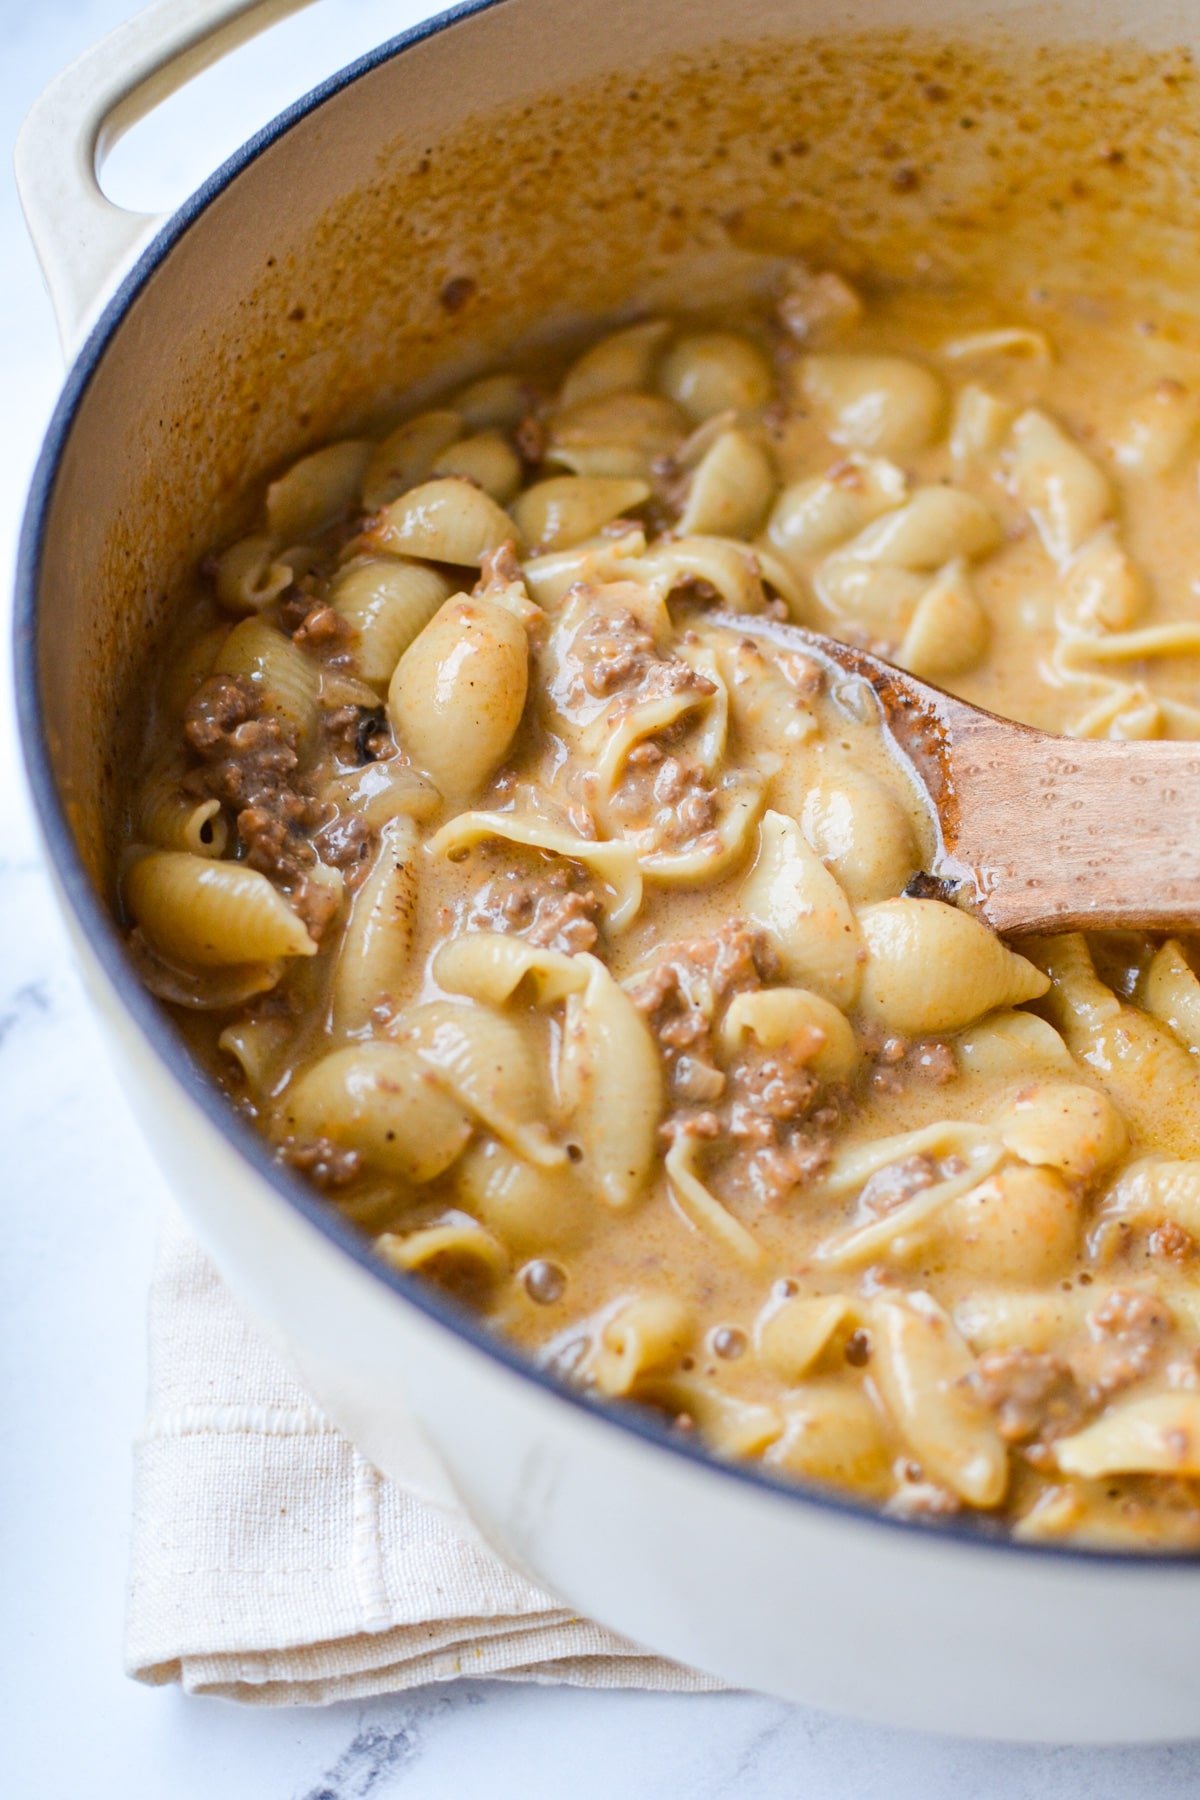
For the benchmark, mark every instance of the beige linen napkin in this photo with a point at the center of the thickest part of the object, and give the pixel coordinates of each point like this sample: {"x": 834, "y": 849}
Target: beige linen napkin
{"x": 272, "y": 1563}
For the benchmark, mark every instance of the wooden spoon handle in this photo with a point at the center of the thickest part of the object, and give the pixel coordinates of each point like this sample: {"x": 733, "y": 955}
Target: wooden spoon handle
{"x": 1057, "y": 834}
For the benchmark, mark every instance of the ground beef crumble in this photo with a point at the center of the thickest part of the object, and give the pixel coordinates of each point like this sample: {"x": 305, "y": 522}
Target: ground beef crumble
{"x": 545, "y": 901}
{"x": 616, "y": 653}
{"x": 325, "y": 1163}
{"x": 1127, "y": 1336}
{"x": 1032, "y": 1395}
{"x": 768, "y": 1119}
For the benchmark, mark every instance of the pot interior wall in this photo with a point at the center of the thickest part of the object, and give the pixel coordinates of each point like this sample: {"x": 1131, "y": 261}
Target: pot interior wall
{"x": 542, "y": 163}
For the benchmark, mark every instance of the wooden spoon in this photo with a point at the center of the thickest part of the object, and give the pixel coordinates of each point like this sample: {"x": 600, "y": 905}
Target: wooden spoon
{"x": 1035, "y": 832}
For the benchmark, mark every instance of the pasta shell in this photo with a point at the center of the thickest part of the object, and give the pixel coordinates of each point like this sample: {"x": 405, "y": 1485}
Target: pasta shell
{"x": 377, "y": 944}
{"x": 494, "y": 402}
{"x": 447, "y": 520}
{"x": 615, "y": 435}
{"x": 712, "y": 372}
{"x": 1159, "y": 429}
{"x": 386, "y": 600}
{"x": 791, "y": 1334}
{"x": 1158, "y": 1435}
{"x": 816, "y": 515}
{"x": 1021, "y": 1224}
{"x": 886, "y": 404}
{"x": 256, "y": 1045}
{"x": 491, "y": 965}
{"x": 612, "y": 862}
{"x": 931, "y": 968}
{"x": 700, "y": 1206}
{"x": 815, "y": 1032}
{"x": 861, "y": 832}
{"x": 250, "y": 575}
{"x": 1015, "y": 341}
{"x": 920, "y": 1365}
{"x": 285, "y": 677}
{"x": 729, "y": 1425}
{"x": 488, "y": 459}
{"x": 1170, "y": 991}
{"x": 485, "y": 1061}
{"x": 458, "y": 692}
{"x": 948, "y": 631}
{"x": 872, "y": 594}
{"x": 1105, "y": 590}
{"x": 561, "y": 512}
{"x": 731, "y": 489}
{"x": 1067, "y": 495}
{"x": 619, "y": 363}
{"x": 980, "y": 424}
{"x": 610, "y": 1083}
{"x": 938, "y": 523}
{"x": 171, "y": 819}
{"x": 1011, "y": 1319}
{"x": 405, "y": 456}
{"x": 1157, "y": 1188}
{"x": 832, "y": 1433}
{"x": 733, "y": 571}
{"x": 382, "y": 791}
{"x": 535, "y": 1211}
{"x": 208, "y": 914}
{"x": 316, "y": 490}
{"x": 1064, "y": 1125}
{"x": 383, "y": 1101}
{"x": 456, "y": 1251}
{"x": 793, "y": 897}
{"x": 1010, "y": 1044}
{"x": 645, "y": 1337}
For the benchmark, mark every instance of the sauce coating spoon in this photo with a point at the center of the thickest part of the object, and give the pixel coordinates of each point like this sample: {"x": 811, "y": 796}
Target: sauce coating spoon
{"x": 1035, "y": 833}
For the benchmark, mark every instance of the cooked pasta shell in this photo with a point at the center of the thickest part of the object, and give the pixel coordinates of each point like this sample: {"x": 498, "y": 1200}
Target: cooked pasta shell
{"x": 1067, "y": 495}
{"x": 967, "y": 1154}
{"x": 1154, "y": 1189}
{"x": 833, "y": 1433}
{"x": 1064, "y": 1125}
{"x": 382, "y": 1100}
{"x": 1013, "y": 341}
{"x": 938, "y": 523}
{"x": 644, "y": 1337}
{"x": 768, "y": 709}
{"x": 1013, "y": 1318}
{"x": 615, "y": 435}
{"x": 793, "y": 897}
{"x": 283, "y": 674}
{"x": 456, "y": 1251}
{"x": 491, "y": 965}
{"x": 948, "y": 631}
{"x": 919, "y": 1365}
{"x": 932, "y": 968}
{"x": 791, "y": 1333}
{"x": 711, "y": 372}
{"x": 700, "y": 1206}
{"x": 1010, "y": 1044}
{"x": 1022, "y": 1224}
{"x": 610, "y": 1083}
{"x": 882, "y": 403}
{"x": 316, "y": 490}
{"x": 488, "y": 459}
{"x": 447, "y": 520}
{"x": 250, "y": 575}
{"x": 561, "y": 512}
{"x": 732, "y": 570}
{"x": 1142, "y": 1067}
{"x": 256, "y": 1045}
{"x": 457, "y": 694}
{"x": 728, "y": 1425}
{"x": 405, "y": 455}
{"x": 816, "y": 515}
{"x": 1169, "y": 989}
{"x": 377, "y": 943}
{"x": 387, "y": 600}
{"x": 731, "y": 488}
{"x": 1159, "y": 429}
{"x": 494, "y": 402}
{"x": 815, "y": 1032}
{"x": 1105, "y": 589}
{"x": 172, "y": 819}
{"x": 980, "y": 424}
{"x": 817, "y": 303}
{"x": 533, "y": 1210}
{"x": 381, "y": 791}
{"x": 623, "y": 362}
{"x": 876, "y": 595}
{"x": 187, "y": 669}
{"x": 486, "y": 1062}
{"x": 208, "y": 914}
{"x": 862, "y": 833}
{"x": 611, "y": 861}
{"x": 1158, "y": 1435}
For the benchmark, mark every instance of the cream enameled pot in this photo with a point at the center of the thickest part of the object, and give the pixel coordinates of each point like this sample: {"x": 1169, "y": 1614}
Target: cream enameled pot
{"x": 565, "y": 157}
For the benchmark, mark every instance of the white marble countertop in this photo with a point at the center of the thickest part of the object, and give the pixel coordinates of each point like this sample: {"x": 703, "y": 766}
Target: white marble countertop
{"x": 80, "y": 1201}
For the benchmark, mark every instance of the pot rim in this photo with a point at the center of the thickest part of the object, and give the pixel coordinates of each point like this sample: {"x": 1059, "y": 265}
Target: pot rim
{"x": 98, "y": 927}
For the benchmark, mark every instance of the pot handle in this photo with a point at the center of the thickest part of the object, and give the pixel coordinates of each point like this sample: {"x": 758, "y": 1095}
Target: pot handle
{"x": 84, "y": 241}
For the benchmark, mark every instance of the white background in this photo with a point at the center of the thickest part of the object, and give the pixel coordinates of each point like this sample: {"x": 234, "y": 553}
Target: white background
{"x": 80, "y": 1200}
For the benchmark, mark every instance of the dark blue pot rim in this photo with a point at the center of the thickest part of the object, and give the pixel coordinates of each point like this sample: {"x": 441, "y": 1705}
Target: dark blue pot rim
{"x": 97, "y": 925}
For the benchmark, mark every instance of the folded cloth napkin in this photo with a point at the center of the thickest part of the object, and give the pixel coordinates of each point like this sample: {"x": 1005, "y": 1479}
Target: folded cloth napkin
{"x": 272, "y": 1563}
